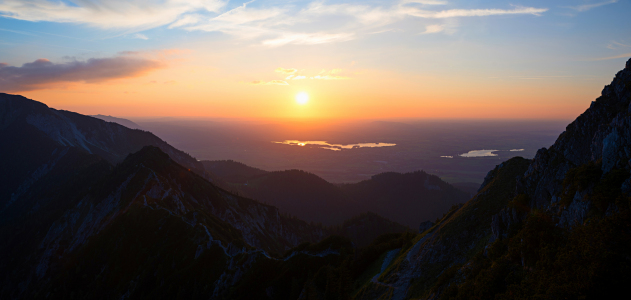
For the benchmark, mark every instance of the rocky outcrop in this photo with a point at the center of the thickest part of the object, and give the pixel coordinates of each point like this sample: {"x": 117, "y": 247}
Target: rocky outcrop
{"x": 502, "y": 222}
{"x": 601, "y": 133}
{"x": 453, "y": 240}
{"x": 596, "y": 144}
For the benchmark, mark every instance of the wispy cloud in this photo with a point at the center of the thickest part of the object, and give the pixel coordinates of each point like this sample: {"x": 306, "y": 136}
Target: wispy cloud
{"x": 243, "y": 14}
{"x": 185, "y": 20}
{"x": 141, "y": 36}
{"x": 294, "y": 74}
{"x": 426, "y": 2}
{"x": 433, "y": 29}
{"x": 18, "y": 32}
{"x": 308, "y": 39}
{"x": 270, "y": 24}
{"x": 42, "y": 73}
{"x": 586, "y": 7}
{"x": 125, "y": 14}
{"x": 452, "y": 13}
{"x": 614, "y": 45}
{"x": 626, "y": 55}
{"x": 285, "y": 71}
{"x": 271, "y": 82}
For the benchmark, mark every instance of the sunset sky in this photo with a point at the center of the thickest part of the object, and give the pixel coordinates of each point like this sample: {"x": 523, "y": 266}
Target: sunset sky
{"x": 354, "y": 59}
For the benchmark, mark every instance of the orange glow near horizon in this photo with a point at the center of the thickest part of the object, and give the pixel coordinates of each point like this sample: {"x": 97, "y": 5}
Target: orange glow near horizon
{"x": 183, "y": 90}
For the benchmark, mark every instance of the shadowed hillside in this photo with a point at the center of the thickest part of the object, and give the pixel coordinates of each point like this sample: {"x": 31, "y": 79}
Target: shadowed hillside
{"x": 408, "y": 199}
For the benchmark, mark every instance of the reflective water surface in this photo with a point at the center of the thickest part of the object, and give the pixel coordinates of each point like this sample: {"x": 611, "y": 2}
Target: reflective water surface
{"x": 335, "y": 147}
{"x": 483, "y": 153}
{"x": 479, "y": 153}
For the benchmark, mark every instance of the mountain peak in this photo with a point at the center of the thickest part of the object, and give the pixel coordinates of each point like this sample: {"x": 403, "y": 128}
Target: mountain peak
{"x": 600, "y": 134}
{"x": 151, "y": 157}
{"x": 148, "y": 152}
{"x": 621, "y": 83}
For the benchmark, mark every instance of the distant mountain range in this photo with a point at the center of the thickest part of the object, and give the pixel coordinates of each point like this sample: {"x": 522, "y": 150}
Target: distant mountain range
{"x": 408, "y": 199}
{"x": 121, "y": 121}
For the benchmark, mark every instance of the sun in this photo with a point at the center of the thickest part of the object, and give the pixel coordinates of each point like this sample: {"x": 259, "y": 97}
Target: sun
{"x": 302, "y": 98}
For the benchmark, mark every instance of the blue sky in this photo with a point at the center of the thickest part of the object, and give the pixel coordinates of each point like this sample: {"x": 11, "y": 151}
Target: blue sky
{"x": 573, "y": 43}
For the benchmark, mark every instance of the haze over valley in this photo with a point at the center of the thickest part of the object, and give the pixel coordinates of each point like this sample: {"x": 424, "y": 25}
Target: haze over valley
{"x": 419, "y": 144}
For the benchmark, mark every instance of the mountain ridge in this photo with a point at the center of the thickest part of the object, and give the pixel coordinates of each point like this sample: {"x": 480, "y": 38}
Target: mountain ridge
{"x": 125, "y": 122}
{"x": 407, "y": 198}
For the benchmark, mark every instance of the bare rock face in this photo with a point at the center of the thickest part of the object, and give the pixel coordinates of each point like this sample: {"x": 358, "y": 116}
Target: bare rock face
{"x": 601, "y": 133}
{"x": 461, "y": 231}
{"x": 504, "y": 220}
{"x": 600, "y": 139}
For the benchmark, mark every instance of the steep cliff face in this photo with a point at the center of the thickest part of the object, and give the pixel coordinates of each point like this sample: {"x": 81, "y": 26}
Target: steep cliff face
{"x": 601, "y": 133}
{"x": 521, "y": 235}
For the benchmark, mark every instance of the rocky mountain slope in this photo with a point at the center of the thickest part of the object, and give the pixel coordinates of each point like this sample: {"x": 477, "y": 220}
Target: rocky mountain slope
{"x": 556, "y": 227}
{"x": 35, "y": 137}
{"x": 150, "y": 188}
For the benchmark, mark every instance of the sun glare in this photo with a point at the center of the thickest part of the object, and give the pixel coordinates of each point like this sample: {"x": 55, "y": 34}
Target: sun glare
{"x": 302, "y": 98}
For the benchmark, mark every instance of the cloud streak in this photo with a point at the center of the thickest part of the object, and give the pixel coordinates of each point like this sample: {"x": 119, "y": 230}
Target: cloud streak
{"x": 586, "y": 7}
{"x": 433, "y": 29}
{"x": 626, "y": 56}
{"x": 614, "y": 45}
{"x": 272, "y": 24}
{"x": 308, "y": 39}
{"x": 294, "y": 74}
{"x": 107, "y": 14}
{"x": 426, "y": 2}
{"x": 285, "y": 71}
{"x": 453, "y": 13}
{"x": 271, "y": 82}
{"x": 42, "y": 73}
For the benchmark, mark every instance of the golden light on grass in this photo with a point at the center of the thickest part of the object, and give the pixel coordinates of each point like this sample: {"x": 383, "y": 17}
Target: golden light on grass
{"x": 302, "y": 98}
